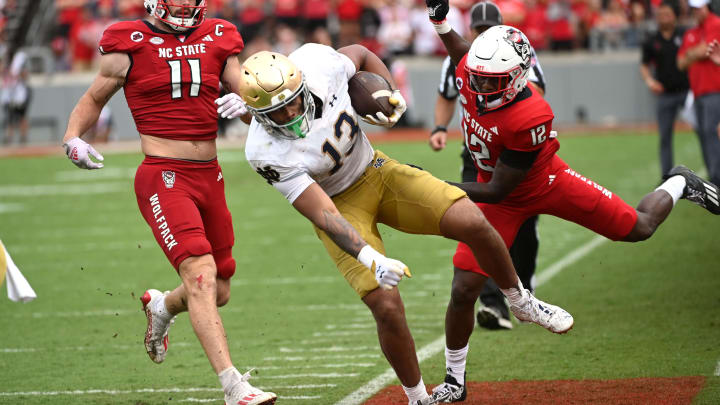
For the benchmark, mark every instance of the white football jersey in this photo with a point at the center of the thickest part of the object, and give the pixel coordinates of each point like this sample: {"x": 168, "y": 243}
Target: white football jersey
{"x": 335, "y": 152}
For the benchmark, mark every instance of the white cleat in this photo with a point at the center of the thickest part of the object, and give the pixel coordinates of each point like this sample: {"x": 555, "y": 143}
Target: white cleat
{"x": 550, "y": 317}
{"x": 242, "y": 393}
{"x": 156, "y": 334}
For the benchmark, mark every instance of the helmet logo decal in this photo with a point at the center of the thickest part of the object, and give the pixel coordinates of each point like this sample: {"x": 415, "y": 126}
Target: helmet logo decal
{"x": 522, "y": 48}
{"x": 459, "y": 82}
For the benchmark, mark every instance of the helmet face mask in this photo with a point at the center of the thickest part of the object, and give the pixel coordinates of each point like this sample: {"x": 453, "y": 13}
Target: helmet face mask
{"x": 271, "y": 82}
{"x": 190, "y": 16}
{"x": 497, "y": 66}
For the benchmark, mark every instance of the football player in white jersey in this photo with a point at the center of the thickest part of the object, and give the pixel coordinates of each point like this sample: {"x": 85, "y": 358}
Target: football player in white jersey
{"x": 305, "y": 141}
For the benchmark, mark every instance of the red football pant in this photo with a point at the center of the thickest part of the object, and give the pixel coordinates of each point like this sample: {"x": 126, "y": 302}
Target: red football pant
{"x": 564, "y": 194}
{"x": 183, "y": 202}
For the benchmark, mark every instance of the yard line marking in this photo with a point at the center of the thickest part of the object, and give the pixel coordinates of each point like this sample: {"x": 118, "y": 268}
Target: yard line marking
{"x": 310, "y": 375}
{"x": 19, "y": 190}
{"x": 11, "y": 207}
{"x": 105, "y": 174}
{"x": 149, "y": 390}
{"x": 438, "y": 345}
{"x": 325, "y": 349}
{"x": 110, "y": 392}
{"x": 334, "y": 356}
{"x": 717, "y": 369}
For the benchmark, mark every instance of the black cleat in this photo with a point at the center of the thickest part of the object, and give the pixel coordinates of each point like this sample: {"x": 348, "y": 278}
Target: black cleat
{"x": 494, "y": 317}
{"x": 697, "y": 190}
{"x": 449, "y": 391}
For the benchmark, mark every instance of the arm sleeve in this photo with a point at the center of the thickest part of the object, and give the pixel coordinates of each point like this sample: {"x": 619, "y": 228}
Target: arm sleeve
{"x": 519, "y": 159}
{"x": 447, "y": 88}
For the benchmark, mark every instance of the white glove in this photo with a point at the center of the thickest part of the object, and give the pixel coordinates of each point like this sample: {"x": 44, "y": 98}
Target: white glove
{"x": 231, "y": 106}
{"x": 79, "y": 152}
{"x": 397, "y": 100}
{"x": 388, "y": 272}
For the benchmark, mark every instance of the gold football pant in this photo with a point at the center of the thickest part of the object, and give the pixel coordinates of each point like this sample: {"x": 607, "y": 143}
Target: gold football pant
{"x": 400, "y": 196}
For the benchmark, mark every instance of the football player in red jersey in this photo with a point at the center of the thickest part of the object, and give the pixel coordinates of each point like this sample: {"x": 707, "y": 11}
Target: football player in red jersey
{"x": 169, "y": 66}
{"x": 508, "y": 128}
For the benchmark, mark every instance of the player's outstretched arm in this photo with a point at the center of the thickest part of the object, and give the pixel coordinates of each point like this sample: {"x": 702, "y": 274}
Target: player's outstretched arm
{"x": 317, "y": 206}
{"x": 110, "y": 78}
{"x": 510, "y": 170}
{"x": 231, "y": 105}
{"x": 455, "y": 44}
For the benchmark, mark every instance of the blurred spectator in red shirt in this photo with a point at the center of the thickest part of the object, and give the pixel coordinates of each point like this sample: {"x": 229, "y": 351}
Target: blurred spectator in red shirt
{"x": 252, "y": 16}
{"x": 315, "y": 14}
{"x": 395, "y": 33}
{"x": 562, "y": 21}
{"x": 536, "y": 23}
{"x": 349, "y": 12}
{"x": 287, "y": 12}
{"x": 587, "y": 13}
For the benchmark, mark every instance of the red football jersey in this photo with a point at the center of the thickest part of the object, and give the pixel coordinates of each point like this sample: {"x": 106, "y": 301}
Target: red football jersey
{"x": 174, "y": 78}
{"x": 522, "y": 125}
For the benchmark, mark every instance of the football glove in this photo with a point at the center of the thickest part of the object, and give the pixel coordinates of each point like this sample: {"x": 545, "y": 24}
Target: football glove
{"x": 231, "y": 106}
{"x": 79, "y": 152}
{"x": 389, "y": 272}
{"x": 437, "y": 10}
{"x": 397, "y": 100}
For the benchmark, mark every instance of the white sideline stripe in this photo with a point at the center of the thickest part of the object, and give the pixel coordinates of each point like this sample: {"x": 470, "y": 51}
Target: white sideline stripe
{"x": 325, "y": 349}
{"x": 717, "y": 369}
{"x": 4, "y": 207}
{"x": 366, "y": 391}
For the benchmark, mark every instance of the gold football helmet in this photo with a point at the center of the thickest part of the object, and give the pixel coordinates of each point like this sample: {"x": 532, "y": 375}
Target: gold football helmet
{"x": 270, "y": 81}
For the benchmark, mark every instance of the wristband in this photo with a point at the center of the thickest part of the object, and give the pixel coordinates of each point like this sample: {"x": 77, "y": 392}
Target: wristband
{"x": 441, "y": 27}
{"x": 438, "y": 129}
{"x": 368, "y": 255}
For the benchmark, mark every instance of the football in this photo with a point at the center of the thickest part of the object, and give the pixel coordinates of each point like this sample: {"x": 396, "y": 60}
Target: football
{"x": 370, "y": 94}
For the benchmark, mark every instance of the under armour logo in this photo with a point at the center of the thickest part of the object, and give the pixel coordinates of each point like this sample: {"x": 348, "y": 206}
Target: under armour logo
{"x": 332, "y": 100}
{"x": 271, "y": 175}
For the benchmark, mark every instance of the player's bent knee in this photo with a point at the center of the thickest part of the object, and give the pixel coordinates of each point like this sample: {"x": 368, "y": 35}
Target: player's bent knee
{"x": 198, "y": 274}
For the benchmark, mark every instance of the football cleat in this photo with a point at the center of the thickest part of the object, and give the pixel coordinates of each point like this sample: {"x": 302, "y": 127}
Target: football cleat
{"x": 242, "y": 393}
{"x": 156, "y": 334}
{"x": 697, "y": 190}
{"x": 425, "y": 401}
{"x": 494, "y": 317}
{"x": 550, "y": 317}
{"x": 449, "y": 391}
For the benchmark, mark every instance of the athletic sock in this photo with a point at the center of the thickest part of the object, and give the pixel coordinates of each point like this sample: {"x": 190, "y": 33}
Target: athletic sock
{"x": 161, "y": 310}
{"x": 228, "y": 378}
{"x": 675, "y": 186}
{"x": 515, "y": 295}
{"x": 455, "y": 363}
{"x": 417, "y": 392}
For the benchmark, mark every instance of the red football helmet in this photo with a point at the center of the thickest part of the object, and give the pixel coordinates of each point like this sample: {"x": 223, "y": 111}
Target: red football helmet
{"x": 190, "y": 16}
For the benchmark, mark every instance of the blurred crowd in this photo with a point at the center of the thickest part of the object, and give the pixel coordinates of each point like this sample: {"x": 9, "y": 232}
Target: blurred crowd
{"x": 387, "y": 27}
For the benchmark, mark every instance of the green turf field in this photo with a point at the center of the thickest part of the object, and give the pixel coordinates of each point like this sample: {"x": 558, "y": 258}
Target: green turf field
{"x": 643, "y": 310}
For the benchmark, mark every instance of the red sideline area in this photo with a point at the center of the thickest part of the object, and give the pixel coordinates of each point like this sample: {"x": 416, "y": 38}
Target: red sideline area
{"x": 634, "y": 391}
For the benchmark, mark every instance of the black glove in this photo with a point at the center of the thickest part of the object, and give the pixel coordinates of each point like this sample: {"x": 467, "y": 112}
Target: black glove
{"x": 437, "y": 10}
